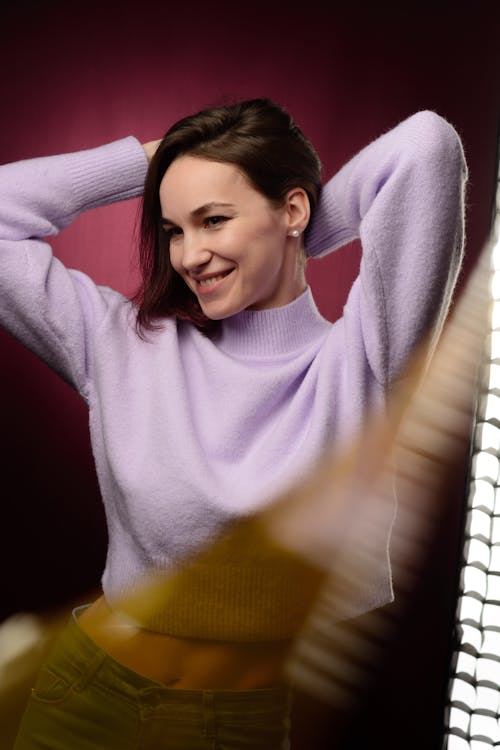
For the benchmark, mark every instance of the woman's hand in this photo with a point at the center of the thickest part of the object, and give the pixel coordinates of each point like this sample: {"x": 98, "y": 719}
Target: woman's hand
{"x": 150, "y": 148}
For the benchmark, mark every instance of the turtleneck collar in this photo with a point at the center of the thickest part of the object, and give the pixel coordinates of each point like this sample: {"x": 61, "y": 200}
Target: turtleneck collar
{"x": 274, "y": 331}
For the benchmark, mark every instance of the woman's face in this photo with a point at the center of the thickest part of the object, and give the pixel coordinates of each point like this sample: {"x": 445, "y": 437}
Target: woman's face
{"x": 230, "y": 245}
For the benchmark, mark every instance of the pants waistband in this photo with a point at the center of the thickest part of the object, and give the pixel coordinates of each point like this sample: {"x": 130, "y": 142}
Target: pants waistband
{"x": 76, "y": 650}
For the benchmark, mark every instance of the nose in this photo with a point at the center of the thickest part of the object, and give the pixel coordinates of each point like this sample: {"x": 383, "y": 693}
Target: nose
{"x": 195, "y": 252}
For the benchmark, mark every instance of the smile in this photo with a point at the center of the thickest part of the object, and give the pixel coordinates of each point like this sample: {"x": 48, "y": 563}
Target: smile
{"x": 211, "y": 280}
{"x": 210, "y": 283}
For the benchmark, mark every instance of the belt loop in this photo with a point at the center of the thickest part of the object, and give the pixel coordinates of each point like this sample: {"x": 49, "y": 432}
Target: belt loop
{"x": 93, "y": 667}
{"x": 208, "y": 714}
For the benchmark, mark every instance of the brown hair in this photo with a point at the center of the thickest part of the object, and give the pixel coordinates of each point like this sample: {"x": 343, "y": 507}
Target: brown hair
{"x": 264, "y": 142}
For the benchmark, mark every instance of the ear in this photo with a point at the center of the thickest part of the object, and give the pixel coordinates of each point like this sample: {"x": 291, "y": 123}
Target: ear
{"x": 298, "y": 210}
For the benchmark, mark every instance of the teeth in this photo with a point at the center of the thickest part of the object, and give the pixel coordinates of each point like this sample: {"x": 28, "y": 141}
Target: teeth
{"x": 211, "y": 280}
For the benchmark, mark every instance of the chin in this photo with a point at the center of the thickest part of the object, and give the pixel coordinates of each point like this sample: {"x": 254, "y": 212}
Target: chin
{"x": 221, "y": 313}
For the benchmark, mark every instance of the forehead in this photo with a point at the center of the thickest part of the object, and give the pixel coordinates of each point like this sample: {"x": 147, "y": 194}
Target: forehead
{"x": 191, "y": 181}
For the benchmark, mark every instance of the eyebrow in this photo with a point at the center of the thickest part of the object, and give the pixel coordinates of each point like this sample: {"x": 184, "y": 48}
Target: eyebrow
{"x": 207, "y": 207}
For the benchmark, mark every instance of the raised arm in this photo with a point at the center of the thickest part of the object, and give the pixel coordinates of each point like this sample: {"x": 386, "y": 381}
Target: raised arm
{"x": 50, "y": 309}
{"x": 403, "y": 196}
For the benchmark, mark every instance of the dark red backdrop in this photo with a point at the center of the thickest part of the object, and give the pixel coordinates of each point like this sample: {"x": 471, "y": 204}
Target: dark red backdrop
{"x": 77, "y": 75}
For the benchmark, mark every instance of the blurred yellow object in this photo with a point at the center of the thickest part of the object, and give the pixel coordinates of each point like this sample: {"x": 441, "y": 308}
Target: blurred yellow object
{"x": 25, "y": 641}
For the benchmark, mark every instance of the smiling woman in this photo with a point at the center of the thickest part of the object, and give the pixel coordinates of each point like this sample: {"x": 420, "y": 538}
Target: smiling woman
{"x": 214, "y": 391}
{"x": 246, "y": 258}
{"x": 233, "y": 189}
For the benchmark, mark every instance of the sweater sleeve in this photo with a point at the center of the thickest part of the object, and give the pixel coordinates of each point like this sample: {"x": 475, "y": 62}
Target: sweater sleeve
{"x": 53, "y": 310}
{"x": 403, "y": 196}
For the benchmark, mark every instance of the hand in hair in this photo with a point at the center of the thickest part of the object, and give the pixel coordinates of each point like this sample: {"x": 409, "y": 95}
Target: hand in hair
{"x": 150, "y": 148}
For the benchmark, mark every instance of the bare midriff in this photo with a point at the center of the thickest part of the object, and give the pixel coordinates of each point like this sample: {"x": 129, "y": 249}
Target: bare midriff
{"x": 184, "y": 663}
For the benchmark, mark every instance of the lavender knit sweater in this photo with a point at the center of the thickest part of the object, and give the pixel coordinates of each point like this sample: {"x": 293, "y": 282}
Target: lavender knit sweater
{"x": 189, "y": 432}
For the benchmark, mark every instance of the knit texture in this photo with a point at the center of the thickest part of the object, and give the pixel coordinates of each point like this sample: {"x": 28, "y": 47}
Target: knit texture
{"x": 189, "y": 432}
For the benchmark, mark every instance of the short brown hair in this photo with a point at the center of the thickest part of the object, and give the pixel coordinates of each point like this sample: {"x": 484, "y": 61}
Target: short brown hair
{"x": 261, "y": 139}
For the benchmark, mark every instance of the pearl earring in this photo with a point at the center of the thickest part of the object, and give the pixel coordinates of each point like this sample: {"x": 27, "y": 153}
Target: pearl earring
{"x": 294, "y": 233}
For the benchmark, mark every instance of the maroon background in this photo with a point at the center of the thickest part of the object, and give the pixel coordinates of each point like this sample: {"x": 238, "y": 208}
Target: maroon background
{"x": 78, "y": 75}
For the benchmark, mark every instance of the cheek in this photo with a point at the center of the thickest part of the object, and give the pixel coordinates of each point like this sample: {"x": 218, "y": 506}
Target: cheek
{"x": 175, "y": 255}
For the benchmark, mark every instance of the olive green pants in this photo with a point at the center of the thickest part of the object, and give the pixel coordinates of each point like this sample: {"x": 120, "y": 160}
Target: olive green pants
{"x": 84, "y": 700}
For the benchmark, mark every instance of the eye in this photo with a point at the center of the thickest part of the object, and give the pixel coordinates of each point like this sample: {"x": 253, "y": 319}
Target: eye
{"x": 172, "y": 232}
{"x": 214, "y": 221}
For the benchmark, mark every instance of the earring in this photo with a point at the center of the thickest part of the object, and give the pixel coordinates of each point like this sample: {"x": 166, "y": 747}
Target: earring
{"x": 294, "y": 233}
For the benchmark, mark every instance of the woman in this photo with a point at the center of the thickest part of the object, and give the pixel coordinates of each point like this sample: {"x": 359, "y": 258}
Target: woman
{"x": 218, "y": 387}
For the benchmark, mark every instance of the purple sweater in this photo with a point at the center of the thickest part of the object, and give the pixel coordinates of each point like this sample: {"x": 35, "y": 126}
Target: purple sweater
{"x": 190, "y": 432}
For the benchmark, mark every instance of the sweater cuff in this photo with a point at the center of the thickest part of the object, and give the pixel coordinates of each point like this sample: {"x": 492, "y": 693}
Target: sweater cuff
{"x": 107, "y": 174}
{"x": 327, "y": 231}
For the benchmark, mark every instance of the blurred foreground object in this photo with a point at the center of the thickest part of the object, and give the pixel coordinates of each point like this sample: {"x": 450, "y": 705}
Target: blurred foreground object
{"x": 25, "y": 642}
{"x": 416, "y": 451}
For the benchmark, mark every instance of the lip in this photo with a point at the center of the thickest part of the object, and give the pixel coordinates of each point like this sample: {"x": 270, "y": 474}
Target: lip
{"x": 203, "y": 289}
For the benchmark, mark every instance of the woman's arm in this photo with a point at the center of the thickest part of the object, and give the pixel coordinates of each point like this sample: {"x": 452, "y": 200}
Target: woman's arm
{"x": 403, "y": 196}
{"x": 50, "y": 309}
